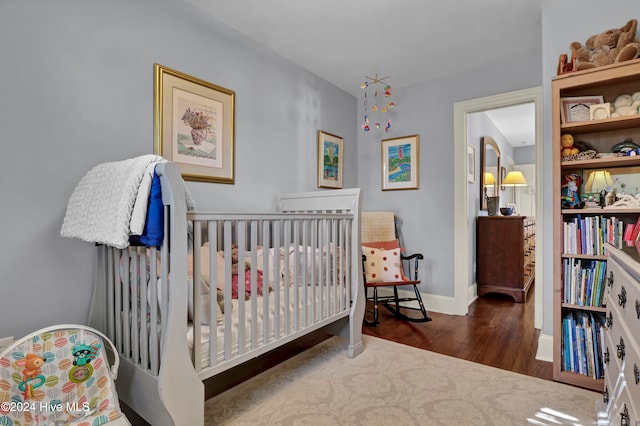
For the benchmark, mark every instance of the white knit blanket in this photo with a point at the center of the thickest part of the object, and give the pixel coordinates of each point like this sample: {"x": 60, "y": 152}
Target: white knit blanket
{"x": 101, "y": 206}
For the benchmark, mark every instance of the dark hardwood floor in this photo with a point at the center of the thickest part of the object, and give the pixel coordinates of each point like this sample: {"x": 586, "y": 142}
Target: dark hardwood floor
{"x": 496, "y": 332}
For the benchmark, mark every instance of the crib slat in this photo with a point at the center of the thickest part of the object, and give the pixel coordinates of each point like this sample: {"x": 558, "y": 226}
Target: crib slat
{"x": 196, "y": 352}
{"x": 143, "y": 342}
{"x": 154, "y": 356}
{"x": 266, "y": 274}
{"x": 297, "y": 323}
{"x": 212, "y": 228}
{"x": 111, "y": 284}
{"x": 254, "y": 283}
{"x": 118, "y": 294}
{"x": 227, "y": 237}
{"x": 136, "y": 321}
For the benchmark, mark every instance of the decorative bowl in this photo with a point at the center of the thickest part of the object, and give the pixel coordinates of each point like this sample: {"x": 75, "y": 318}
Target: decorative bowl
{"x": 506, "y": 211}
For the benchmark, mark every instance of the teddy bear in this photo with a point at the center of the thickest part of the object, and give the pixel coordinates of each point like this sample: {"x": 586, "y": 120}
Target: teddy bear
{"x": 626, "y": 105}
{"x": 608, "y": 47}
{"x": 568, "y": 149}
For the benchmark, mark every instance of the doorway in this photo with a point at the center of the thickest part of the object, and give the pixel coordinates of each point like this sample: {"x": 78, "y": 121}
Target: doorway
{"x": 465, "y": 212}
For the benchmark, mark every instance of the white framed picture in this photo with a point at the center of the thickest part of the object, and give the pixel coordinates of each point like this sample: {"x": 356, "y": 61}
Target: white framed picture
{"x": 471, "y": 164}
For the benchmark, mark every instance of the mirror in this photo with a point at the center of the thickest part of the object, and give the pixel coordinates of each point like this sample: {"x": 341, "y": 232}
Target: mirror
{"x": 490, "y": 170}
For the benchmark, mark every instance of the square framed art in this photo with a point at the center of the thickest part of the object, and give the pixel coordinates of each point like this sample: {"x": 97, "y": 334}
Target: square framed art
{"x": 194, "y": 125}
{"x": 330, "y": 160}
{"x": 400, "y": 163}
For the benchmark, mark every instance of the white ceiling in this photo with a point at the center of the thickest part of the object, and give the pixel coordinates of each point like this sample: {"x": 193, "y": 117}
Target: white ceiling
{"x": 412, "y": 41}
{"x": 516, "y": 123}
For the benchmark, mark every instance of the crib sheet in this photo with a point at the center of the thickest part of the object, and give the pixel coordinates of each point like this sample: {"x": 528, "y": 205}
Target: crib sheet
{"x": 316, "y": 301}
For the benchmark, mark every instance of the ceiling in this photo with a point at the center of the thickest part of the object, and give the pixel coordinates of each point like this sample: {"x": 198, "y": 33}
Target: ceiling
{"x": 516, "y": 123}
{"x": 412, "y": 41}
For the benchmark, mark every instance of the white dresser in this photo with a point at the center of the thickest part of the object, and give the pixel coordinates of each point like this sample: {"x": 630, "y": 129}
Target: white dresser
{"x": 621, "y": 351}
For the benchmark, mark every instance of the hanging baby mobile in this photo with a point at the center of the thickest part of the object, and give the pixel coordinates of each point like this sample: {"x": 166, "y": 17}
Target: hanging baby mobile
{"x": 377, "y": 103}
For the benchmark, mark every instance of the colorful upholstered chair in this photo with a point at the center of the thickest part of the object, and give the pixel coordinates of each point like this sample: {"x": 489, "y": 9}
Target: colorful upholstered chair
{"x": 384, "y": 265}
{"x": 59, "y": 375}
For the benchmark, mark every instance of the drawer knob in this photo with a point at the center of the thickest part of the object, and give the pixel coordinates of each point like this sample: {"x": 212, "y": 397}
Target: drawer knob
{"x": 622, "y": 297}
{"x": 610, "y": 279}
{"x": 636, "y": 373}
{"x": 638, "y": 308}
{"x": 621, "y": 350}
{"x": 606, "y": 355}
{"x": 610, "y": 320}
{"x": 605, "y": 395}
{"x": 624, "y": 416}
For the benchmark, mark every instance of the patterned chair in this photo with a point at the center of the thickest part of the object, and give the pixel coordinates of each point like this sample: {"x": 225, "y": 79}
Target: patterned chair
{"x": 59, "y": 375}
{"x": 384, "y": 266}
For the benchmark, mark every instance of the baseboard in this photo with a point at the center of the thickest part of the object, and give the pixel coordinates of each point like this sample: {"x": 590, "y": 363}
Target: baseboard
{"x": 472, "y": 293}
{"x": 545, "y": 348}
{"x": 432, "y": 302}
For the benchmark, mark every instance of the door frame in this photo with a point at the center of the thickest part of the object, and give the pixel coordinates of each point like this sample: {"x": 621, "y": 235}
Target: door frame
{"x": 462, "y": 217}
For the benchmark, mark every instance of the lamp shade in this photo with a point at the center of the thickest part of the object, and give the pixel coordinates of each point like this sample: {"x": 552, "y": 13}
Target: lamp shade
{"x": 597, "y": 181}
{"x": 514, "y": 178}
{"x": 489, "y": 179}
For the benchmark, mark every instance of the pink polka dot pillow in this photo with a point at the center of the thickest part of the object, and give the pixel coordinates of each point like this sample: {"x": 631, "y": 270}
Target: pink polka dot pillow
{"x": 382, "y": 265}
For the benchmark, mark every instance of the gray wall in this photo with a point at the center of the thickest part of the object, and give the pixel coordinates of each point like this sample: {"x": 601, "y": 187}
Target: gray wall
{"x": 427, "y": 109}
{"x": 77, "y": 90}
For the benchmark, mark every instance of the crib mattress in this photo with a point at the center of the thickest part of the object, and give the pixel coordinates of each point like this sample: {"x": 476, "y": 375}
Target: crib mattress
{"x": 316, "y": 304}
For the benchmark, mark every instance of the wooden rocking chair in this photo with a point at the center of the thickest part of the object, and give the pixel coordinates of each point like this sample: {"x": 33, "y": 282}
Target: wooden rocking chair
{"x": 384, "y": 265}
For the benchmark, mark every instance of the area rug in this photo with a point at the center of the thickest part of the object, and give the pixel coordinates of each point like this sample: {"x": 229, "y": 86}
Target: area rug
{"x": 394, "y": 384}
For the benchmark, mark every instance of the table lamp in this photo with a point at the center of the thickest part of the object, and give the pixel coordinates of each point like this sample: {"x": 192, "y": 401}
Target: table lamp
{"x": 489, "y": 180}
{"x": 514, "y": 178}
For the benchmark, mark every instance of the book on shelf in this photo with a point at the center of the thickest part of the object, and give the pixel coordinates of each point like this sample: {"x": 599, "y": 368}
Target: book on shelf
{"x": 582, "y": 343}
{"x": 636, "y": 231}
{"x": 584, "y": 281}
{"x": 587, "y": 235}
{"x": 628, "y": 231}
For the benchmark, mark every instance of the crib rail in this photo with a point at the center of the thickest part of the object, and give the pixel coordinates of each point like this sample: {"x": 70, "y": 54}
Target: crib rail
{"x": 291, "y": 277}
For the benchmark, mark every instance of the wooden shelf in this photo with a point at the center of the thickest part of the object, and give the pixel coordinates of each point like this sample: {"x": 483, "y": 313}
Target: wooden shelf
{"x": 584, "y": 308}
{"x": 580, "y": 380}
{"x": 601, "y": 163}
{"x": 584, "y": 256}
{"x": 605, "y": 125}
{"x": 608, "y": 82}
{"x": 609, "y": 211}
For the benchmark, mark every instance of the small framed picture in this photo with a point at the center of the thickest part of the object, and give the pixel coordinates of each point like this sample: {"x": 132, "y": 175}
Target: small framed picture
{"x": 330, "y": 160}
{"x": 400, "y": 163}
{"x": 577, "y": 108}
{"x": 600, "y": 111}
{"x": 471, "y": 164}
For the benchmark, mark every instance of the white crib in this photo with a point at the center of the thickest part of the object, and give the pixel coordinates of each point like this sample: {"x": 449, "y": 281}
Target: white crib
{"x": 298, "y": 270}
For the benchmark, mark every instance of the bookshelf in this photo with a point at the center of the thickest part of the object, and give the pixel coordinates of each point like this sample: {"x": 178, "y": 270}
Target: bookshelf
{"x": 581, "y": 235}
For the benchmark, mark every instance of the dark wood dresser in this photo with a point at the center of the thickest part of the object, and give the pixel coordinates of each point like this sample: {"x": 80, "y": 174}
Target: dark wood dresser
{"x": 505, "y": 254}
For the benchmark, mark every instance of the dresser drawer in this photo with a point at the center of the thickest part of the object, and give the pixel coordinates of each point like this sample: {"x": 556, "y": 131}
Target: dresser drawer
{"x": 622, "y": 411}
{"x": 624, "y": 293}
{"x": 613, "y": 371}
{"x": 624, "y": 355}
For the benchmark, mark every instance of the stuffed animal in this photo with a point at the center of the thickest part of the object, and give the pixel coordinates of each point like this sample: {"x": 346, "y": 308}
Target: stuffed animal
{"x": 568, "y": 149}
{"x": 570, "y": 192}
{"x": 626, "y": 105}
{"x": 608, "y": 47}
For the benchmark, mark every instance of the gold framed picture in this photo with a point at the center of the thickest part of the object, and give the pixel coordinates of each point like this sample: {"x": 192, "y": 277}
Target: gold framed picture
{"x": 194, "y": 125}
{"x": 400, "y": 163}
{"x": 330, "y": 160}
